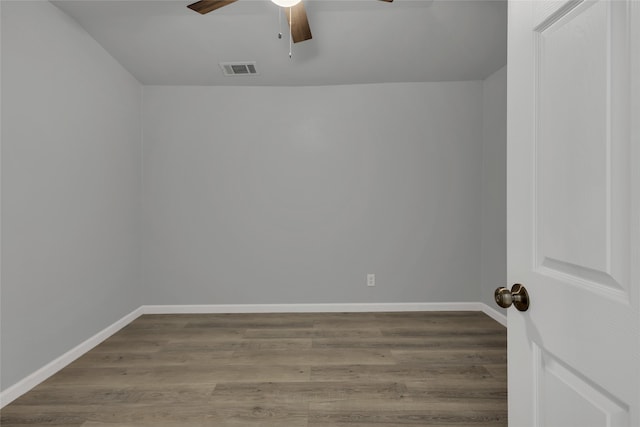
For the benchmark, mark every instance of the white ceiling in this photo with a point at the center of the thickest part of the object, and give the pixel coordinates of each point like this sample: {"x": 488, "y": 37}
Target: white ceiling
{"x": 354, "y": 41}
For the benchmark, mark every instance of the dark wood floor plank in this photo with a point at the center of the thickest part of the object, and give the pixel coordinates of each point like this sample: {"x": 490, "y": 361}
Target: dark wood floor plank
{"x": 439, "y": 330}
{"x": 498, "y": 370}
{"x": 197, "y": 423}
{"x": 409, "y": 403}
{"x": 251, "y": 321}
{"x": 284, "y": 370}
{"x": 117, "y": 343}
{"x": 181, "y": 334}
{"x": 123, "y": 413}
{"x": 157, "y": 358}
{"x": 397, "y": 372}
{"x": 252, "y": 344}
{"x": 171, "y": 375}
{"x": 64, "y": 395}
{"x": 406, "y": 418}
{"x": 495, "y": 391}
{"x": 314, "y": 357}
{"x": 474, "y": 355}
{"x": 314, "y": 333}
{"x": 302, "y": 393}
{"x": 418, "y": 343}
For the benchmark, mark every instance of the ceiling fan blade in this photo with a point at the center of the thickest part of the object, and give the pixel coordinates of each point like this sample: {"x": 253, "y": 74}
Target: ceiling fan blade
{"x": 206, "y": 6}
{"x": 388, "y": 1}
{"x": 300, "y": 30}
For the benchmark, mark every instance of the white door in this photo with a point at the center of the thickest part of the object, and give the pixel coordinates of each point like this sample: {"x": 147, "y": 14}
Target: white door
{"x": 574, "y": 212}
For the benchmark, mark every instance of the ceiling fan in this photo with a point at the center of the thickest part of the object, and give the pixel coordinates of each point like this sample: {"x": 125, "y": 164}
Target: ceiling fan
{"x": 300, "y": 30}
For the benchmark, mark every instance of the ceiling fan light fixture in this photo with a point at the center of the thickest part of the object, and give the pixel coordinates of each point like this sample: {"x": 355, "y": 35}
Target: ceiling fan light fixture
{"x": 286, "y": 3}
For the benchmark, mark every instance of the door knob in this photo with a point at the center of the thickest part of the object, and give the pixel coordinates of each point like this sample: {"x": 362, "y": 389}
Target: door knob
{"x": 518, "y": 296}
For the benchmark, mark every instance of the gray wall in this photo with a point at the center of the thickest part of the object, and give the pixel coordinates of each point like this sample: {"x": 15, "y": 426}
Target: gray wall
{"x": 71, "y": 131}
{"x": 292, "y": 195}
{"x": 494, "y": 186}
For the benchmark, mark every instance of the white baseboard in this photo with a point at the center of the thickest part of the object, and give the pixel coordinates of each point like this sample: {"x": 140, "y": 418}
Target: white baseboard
{"x": 494, "y": 314}
{"x": 10, "y": 394}
{"x": 311, "y": 308}
{"x": 21, "y": 387}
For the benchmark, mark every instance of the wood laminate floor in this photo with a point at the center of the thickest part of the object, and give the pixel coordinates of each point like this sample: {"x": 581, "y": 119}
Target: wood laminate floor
{"x": 285, "y": 370}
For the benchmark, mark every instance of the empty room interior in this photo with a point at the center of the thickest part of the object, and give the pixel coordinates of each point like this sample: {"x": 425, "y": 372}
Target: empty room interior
{"x": 208, "y": 222}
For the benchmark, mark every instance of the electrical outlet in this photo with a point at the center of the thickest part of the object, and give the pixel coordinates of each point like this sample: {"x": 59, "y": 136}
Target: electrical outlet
{"x": 371, "y": 279}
